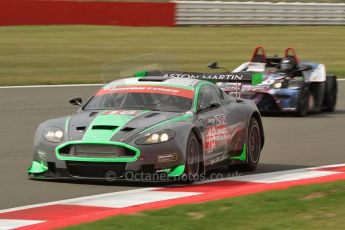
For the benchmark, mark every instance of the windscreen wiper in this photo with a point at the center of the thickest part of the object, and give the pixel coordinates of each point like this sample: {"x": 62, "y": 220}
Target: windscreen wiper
{"x": 141, "y": 108}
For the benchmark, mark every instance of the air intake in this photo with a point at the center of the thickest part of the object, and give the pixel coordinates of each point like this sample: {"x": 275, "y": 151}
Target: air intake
{"x": 92, "y": 114}
{"x": 105, "y": 127}
{"x": 151, "y": 115}
{"x": 81, "y": 128}
{"x": 127, "y": 129}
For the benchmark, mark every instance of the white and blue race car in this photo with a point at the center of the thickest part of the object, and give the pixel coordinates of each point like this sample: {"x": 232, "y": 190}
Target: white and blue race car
{"x": 289, "y": 84}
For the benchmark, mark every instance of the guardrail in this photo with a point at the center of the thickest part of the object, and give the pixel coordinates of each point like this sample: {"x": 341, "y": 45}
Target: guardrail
{"x": 258, "y": 13}
{"x": 65, "y": 12}
{"x": 47, "y": 12}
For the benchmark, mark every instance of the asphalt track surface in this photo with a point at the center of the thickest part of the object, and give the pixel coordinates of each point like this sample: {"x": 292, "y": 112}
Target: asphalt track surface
{"x": 291, "y": 142}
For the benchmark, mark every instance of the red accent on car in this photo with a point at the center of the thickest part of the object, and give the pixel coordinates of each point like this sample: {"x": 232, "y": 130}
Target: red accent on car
{"x": 294, "y": 55}
{"x": 148, "y": 89}
{"x": 259, "y": 55}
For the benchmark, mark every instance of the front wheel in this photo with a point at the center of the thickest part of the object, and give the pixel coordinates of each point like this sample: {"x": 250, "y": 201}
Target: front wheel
{"x": 253, "y": 145}
{"x": 303, "y": 102}
{"x": 193, "y": 156}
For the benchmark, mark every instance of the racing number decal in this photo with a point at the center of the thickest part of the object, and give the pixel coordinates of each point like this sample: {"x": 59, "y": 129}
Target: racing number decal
{"x": 216, "y": 132}
{"x": 210, "y": 142}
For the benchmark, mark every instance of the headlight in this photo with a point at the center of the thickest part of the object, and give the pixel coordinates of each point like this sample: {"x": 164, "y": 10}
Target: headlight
{"x": 156, "y": 137}
{"x": 53, "y": 134}
{"x": 277, "y": 85}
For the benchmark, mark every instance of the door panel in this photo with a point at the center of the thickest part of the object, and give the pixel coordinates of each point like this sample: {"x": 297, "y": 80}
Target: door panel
{"x": 214, "y": 125}
{"x": 237, "y": 122}
{"x": 214, "y": 135}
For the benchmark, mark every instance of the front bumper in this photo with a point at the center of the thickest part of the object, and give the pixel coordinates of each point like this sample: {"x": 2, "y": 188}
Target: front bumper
{"x": 50, "y": 163}
{"x": 105, "y": 172}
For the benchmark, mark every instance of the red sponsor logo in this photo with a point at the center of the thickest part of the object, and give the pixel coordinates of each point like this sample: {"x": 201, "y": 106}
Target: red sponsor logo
{"x": 215, "y": 135}
{"x": 148, "y": 89}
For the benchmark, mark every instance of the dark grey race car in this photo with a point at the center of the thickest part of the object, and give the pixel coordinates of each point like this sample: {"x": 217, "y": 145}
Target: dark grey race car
{"x": 156, "y": 125}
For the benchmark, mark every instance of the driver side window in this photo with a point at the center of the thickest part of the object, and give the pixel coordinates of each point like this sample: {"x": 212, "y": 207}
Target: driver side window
{"x": 207, "y": 96}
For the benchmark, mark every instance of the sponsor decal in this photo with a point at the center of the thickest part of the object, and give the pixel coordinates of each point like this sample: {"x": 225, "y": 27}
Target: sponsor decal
{"x": 204, "y": 76}
{"x": 221, "y": 157}
{"x": 147, "y": 89}
{"x": 217, "y": 132}
{"x": 167, "y": 157}
{"x": 216, "y": 120}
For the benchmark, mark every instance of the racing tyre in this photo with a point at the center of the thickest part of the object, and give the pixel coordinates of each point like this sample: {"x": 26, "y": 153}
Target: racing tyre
{"x": 330, "y": 98}
{"x": 303, "y": 102}
{"x": 193, "y": 156}
{"x": 253, "y": 145}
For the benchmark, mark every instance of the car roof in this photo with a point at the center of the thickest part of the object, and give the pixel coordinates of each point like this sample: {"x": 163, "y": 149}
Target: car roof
{"x": 176, "y": 82}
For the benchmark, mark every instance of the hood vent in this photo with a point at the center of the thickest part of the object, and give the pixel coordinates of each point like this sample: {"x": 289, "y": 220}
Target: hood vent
{"x": 152, "y": 115}
{"x": 127, "y": 129}
{"x": 105, "y": 127}
{"x": 81, "y": 128}
{"x": 92, "y": 114}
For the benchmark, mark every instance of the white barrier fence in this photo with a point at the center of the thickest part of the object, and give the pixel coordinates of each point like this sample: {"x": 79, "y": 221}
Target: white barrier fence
{"x": 259, "y": 13}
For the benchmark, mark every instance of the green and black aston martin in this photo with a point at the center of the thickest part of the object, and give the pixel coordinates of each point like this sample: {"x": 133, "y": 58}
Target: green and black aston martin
{"x": 170, "y": 124}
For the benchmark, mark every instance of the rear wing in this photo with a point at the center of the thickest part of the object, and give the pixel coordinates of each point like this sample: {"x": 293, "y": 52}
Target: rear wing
{"x": 253, "y": 78}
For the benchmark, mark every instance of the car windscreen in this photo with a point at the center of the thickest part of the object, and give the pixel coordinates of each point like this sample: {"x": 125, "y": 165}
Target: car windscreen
{"x": 158, "y": 98}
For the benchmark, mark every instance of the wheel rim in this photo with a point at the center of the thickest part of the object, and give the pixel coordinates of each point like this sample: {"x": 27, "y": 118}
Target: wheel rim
{"x": 254, "y": 144}
{"x": 193, "y": 157}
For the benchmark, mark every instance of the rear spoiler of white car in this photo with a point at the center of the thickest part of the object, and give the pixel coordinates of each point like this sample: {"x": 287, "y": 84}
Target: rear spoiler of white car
{"x": 253, "y": 78}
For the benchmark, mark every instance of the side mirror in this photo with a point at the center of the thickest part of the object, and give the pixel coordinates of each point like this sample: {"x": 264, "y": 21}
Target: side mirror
{"x": 214, "y": 105}
{"x": 76, "y": 101}
{"x": 213, "y": 65}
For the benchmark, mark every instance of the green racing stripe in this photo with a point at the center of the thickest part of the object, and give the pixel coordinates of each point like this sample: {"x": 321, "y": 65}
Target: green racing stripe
{"x": 102, "y": 135}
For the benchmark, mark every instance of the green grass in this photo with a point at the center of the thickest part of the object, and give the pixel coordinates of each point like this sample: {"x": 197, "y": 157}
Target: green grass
{"x": 75, "y": 54}
{"x": 305, "y": 207}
